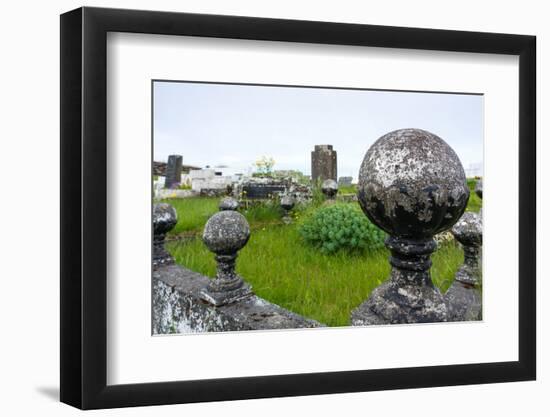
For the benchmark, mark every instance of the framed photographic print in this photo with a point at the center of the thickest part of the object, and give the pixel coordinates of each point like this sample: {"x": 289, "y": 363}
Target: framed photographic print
{"x": 258, "y": 207}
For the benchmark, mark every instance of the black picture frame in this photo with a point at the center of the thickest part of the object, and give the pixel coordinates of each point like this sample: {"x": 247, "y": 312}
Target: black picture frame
{"x": 84, "y": 207}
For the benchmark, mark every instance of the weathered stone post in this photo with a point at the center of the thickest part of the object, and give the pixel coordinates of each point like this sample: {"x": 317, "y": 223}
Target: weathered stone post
{"x": 463, "y": 297}
{"x": 287, "y": 204}
{"x": 225, "y": 233}
{"x": 228, "y": 203}
{"x": 329, "y": 188}
{"x": 412, "y": 185}
{"x": 323, "y": 164}
{"x": 164, "y": 220}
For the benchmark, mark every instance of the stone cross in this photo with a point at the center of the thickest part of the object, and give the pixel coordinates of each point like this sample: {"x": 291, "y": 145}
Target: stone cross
{"x": 323, "y": 164}
{"x": 225, "y": 233}
{"x": 164, "y": 220}
{"x": 412, "y": 185}
{"x": 464, "y": 297}
{"x": 173, "y": 171}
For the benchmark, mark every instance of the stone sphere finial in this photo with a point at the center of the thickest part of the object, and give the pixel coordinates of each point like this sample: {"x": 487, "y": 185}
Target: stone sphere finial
{"x": 287, "y": 202}
{"x": 164, "y": 220}
{"x": 226, "y": 232}
{"x": 464, "y": 301}
{"x": 228, "y": 203}
{"x": 479, "y": 188}
{"x": 412, "y": 184}
{"x": 329, "y": 188}
{"x": 468, "y": 230}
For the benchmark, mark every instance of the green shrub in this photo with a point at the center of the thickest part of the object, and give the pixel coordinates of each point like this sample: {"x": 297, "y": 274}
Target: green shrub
{"x": 341, "y": 227}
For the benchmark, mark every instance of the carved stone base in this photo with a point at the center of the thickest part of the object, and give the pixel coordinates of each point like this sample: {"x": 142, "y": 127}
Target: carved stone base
{"x": 463, "y": 302}
{"x": 221, "y": 298}
{"x": 393, "y": 303}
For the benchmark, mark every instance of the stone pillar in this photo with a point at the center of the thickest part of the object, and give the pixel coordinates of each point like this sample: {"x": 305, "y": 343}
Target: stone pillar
{"x": 164, "y": 220}
{"x": 329, "y": 189}
{"x": 412, "y": 185}
{"x": 225, "y": 233}
{"x": 173, "y": 171}
{"x": 323, "y": 164}
{"x": 464, "y": 296}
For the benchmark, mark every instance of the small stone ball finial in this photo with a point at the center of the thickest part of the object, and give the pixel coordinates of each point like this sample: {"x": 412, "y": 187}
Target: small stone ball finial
{"x": 164, "y": 218}
{"x": 468, "y": 230}
{"x": 287, "y": 202}
{"x": 228, "y": 203}
{"x": 479, "y": 188}
{"x": 329, "y": 188}
{"x": 226, "y": 232}
{"x": 412, "y": 184}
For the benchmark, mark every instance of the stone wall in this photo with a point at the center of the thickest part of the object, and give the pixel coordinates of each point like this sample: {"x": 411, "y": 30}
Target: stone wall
{"x": 179, "y": 308}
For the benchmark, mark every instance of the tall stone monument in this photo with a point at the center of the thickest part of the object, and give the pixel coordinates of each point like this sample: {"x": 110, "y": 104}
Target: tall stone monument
{"x": 173, "y": 171}
{"x": 323, "y": 164}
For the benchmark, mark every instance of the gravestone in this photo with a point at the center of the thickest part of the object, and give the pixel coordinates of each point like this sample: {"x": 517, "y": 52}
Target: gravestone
{"x": 412, "y": 185}
{"x": 173, "y": 171}
{"x": 323, "y": 164}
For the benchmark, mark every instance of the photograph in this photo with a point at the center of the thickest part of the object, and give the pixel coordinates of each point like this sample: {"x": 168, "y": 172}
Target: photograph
{"x": 292, "y": 207}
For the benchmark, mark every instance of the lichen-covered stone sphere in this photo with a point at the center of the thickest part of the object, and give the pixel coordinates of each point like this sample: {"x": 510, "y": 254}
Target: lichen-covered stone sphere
{"x": 226, "y": 232}
{"x": 164, "y": 218}
{"x": 468, "y": 230}
{"x": 287, "y": 202}
{"x": 412, "y": 184}
{"x": 479, "y": 188}
{"x": 228, "y": 203}
{"x": 329, "y": 187}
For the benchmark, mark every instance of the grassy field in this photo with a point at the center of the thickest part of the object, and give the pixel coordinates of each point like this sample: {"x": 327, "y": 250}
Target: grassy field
{"x": 287, "y": 272}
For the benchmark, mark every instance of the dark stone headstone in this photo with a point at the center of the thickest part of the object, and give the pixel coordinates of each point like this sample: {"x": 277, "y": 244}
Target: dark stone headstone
{"x": 323, "y": 164}
{"x": 262, "y": 191}
{"x": 173, "y": 171}
{"x": 412, "y": 185}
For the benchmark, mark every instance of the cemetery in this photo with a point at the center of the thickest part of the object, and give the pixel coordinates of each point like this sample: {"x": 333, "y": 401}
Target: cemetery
{"x": 278, "y": 250}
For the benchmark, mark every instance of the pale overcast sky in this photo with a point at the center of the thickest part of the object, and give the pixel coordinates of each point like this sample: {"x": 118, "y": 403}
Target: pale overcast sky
{"x": 234, "y": 125}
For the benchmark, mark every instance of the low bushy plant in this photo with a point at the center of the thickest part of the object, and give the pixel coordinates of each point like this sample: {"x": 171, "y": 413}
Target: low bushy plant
{"x": 341, "y": 227}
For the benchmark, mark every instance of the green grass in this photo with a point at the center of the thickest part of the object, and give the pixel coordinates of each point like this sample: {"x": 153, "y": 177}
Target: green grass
{"x": 352, "y": 189}
{"x": 475, "y": 203}
{"x": 193, "y": 213}
{"x": 285, "y": 271}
